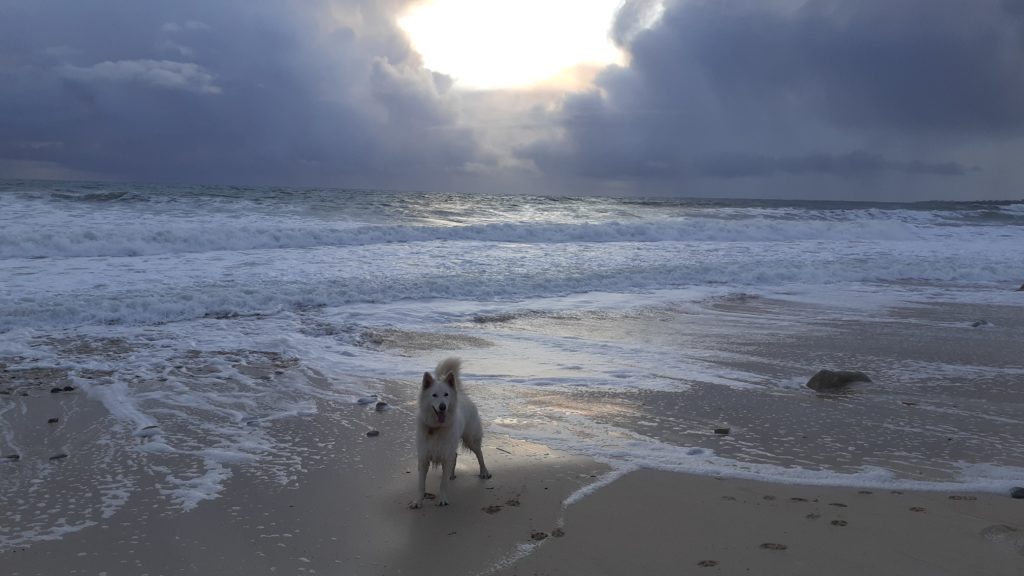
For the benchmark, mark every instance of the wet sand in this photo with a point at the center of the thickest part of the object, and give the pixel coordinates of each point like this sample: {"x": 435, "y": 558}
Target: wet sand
{"x": 346, "y": 513}
{"x": 342, "y": 509}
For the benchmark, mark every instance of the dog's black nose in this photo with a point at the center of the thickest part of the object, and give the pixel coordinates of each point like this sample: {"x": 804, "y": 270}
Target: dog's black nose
{"x": 442, "y": 407}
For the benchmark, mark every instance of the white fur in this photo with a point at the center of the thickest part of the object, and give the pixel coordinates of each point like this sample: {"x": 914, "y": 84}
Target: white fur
{"x": 446, "y": 417}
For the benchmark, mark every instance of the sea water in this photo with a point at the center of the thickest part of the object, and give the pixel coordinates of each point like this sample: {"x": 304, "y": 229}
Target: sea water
{"x": 622, "y": 329}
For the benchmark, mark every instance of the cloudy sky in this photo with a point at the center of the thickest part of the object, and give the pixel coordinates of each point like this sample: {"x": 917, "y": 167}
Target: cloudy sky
{"x": 832, "y": 99}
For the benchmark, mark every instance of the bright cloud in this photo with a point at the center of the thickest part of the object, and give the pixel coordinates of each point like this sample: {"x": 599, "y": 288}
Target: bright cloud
{"x": 167, "y": 74}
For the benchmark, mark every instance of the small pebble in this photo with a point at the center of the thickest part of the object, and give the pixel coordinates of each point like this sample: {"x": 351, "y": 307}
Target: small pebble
{"x": 69, "y": 388}
{"x": 707, "y": 563}
{"x": 12, "y": 457}
{"x": 367, "y": 400}
{"x": 721, "y": 430}
{"x": 53, "y": 420}
{"x": 538, "y": 536}
{"x": 60, "y": 456}
{"x": 773, "y": 546}
{"x": 373, "y": 433}
{"x": 55, "y": 390}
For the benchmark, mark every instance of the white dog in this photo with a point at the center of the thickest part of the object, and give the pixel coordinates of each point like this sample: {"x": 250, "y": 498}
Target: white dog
{"x": 446, "y": 416}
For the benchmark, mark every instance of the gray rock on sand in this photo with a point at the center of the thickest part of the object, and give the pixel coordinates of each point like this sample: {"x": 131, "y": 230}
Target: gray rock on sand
{"x": 1017, "y": 492}
{"x": 830, "y": 380}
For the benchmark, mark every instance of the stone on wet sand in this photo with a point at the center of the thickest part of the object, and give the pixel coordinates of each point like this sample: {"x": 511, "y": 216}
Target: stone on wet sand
{"x": 830, "y": 380}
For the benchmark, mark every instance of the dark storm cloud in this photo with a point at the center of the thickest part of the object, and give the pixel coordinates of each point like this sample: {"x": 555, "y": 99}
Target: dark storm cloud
{"x": 260, "y": 91}
{"x": 852, "y": 165}
{"x": 719, "y": 89}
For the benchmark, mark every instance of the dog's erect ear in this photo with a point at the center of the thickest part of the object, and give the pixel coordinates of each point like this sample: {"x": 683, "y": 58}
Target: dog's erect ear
{"x": 428, "y": 380}
{"x": 450, "y": 379}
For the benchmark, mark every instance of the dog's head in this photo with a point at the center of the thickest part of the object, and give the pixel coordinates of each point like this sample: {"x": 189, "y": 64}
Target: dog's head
{"x": 439, "y": 398}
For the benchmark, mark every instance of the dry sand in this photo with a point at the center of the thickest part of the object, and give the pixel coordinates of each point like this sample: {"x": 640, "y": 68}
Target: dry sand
{"x": 651, "y": 522}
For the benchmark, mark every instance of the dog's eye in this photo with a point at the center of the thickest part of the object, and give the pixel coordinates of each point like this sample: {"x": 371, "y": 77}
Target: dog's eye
{"x": 435, "y": 395}
{"x": 445, "y": 394}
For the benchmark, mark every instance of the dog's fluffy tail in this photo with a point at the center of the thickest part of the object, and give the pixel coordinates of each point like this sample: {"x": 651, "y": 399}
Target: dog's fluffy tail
{"x": 448, "y": 366}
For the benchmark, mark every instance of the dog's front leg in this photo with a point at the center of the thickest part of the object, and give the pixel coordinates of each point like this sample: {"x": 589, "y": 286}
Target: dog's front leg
{"x": 448, "y": 470}
{"x": 422, "y": 484}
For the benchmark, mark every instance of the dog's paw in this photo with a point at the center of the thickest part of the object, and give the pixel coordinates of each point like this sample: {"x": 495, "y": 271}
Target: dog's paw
{"x": 485, "y": 475}
{"x": 452, "y": 477}
{"x": 442, "y": 501}
{"x": 418, "y": 503}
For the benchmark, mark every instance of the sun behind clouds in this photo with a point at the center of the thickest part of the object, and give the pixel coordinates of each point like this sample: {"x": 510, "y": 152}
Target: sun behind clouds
{"x": 503, "y": 44}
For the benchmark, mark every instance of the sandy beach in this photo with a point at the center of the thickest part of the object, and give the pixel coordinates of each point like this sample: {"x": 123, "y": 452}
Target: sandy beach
{"x": 345, "y": 514}
{"x": 651, "y": 522}
{"x": 544, "y": 512}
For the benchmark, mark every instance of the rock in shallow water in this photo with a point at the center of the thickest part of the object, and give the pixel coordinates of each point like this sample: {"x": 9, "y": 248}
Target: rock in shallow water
{"x": 830, "y": 380}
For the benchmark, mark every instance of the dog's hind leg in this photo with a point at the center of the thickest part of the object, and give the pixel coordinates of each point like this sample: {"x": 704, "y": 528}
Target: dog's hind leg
{"x": 484, "y": 472}
{"x": 422, "y": 485}
{"x": 455, "y": 460}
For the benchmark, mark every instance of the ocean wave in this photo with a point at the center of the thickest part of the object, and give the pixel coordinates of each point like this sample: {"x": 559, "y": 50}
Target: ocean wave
{"x": 120, "y": 239}
{"x": 228, "y": 286}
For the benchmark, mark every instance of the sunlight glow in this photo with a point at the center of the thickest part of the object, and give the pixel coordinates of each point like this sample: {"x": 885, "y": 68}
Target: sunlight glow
{"x": 492, "y": 44}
